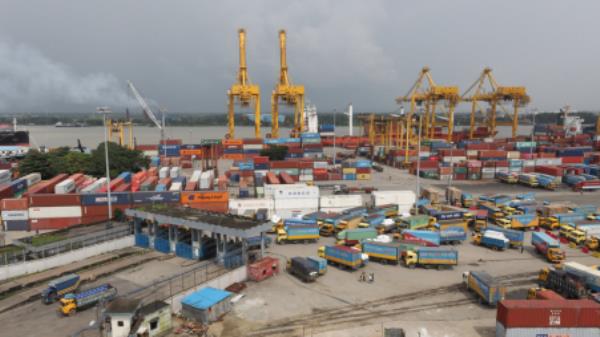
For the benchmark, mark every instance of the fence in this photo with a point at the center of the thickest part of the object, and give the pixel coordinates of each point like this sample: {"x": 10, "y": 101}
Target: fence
{"x": 24, "y": 251}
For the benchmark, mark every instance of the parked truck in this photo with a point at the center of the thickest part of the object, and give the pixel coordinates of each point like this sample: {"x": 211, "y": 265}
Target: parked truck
{"x": 568, "y": 285}
{"x": 452, "y": 235}
{"x": 385, "y": 252}
{"x": 303, "y": 269}
{"x": 298, "y": 233}
{"x": 319, "y": 263}
{"x": 57, "y": 288}
{"x": 589, "y": 275}
{"x": 523, "y": 221}
{"x": 515, "y": 238}
{"x": 429, "y": 238}
{"x": 548, "y": 247}
{"x": 488, "y": 289}
{"x": 491, "y": 239}
{"x": 73, "y": 302}
{"x": 351, "y": 237}
{"x": 347, "y": 257}
{"x": 430, "y": 257}
{"x": 556, "y": 220}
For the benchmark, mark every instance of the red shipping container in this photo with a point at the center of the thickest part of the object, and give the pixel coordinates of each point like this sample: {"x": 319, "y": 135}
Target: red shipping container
{"x": 572, "y": 160}
{"x": 362, "y": 170}
{"x": 123, "y": 188}
{"x": 246, "y": 173}
{"x": 286, "y": 178}
{"x": 114, "y": 183}
{"x": 548, "y": 313}
{"x": 547, "y": 294}
{"x": 15, "y": 204}
{"x": 100, "y": 210}
{"x": 492, "y": 154}
{"x": 320, "y": 177}
{"x": 153, "y": 171}
{"x": 556, "y": 171}
{"x": 252, "y": 141}
{"x": 304, "y": 164}
{"x": 261, "y": 160}
{"x": 272, "y": 178}
{"x": 171, "y": 142}
{"x": 191, "y": 186}
{"x": 263, "y": 269}
{"x": 319, "y": 171}
{"x": 146, "y": 147}
{"x": 49, "y": 200}
{"x": 55, "y": 223}
{"x": 335, "y": 176}
{"x": 93, "y": 219}
{"x": 46, "y": 186}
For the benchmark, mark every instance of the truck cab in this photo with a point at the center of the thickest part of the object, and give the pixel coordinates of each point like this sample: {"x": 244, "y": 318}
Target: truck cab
{"x": 565, "y": 230}
{"x": 592, "y": 243}
{"x": 326, "y": 229}
{"x": 555, "y": 255}
{"x": 576, "y": 236}
{"x": 549, "y": 222}
{"x": 504, "y": 223}
{"x": 68, "y": 305}
{"x": 281, "y": 235}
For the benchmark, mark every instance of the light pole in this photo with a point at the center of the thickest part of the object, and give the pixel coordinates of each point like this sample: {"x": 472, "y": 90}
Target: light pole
{"x": 334, "y": 133}
{"x": 105, "y": 111}
{"x": 418, "y": 187}
{"x": 534, "y": 111}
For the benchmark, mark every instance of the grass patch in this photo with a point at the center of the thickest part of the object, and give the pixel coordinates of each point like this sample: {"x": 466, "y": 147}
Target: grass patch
{"x": 10, "y": 249}
{"x": 45, "y": 239}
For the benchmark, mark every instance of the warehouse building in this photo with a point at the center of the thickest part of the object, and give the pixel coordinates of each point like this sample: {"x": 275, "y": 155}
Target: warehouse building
{"x": 206, "y": 305}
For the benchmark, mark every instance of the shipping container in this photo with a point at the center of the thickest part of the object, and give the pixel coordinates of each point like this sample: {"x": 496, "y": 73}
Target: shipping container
{"x": 49, "y": 200}
{"x": 155, "y": 197}
{"x": 202, "y": 197}
{"x": 55, "y": 212}
{"x": 53, "y": 223}
{"x": 549, "y": 314}
{"x": 95, "y": 199}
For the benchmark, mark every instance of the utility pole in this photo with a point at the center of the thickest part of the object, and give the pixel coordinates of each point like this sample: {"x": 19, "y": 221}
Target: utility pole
{"x": 105, "y": 111}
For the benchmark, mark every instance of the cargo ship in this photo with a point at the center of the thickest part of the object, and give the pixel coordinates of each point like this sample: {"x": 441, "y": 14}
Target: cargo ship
{"x": 13, "y": 143}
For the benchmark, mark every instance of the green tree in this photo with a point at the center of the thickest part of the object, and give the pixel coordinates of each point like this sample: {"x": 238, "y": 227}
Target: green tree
{"x": 36, "y": 161}
{"x": 76, "y": 162}
{"x": 275, "y": 152}
{"x": 120, "y": 159}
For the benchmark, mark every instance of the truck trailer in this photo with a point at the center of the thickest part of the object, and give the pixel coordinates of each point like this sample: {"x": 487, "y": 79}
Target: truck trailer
{"x": 352, "y": 237}
{"x": 429, "y": 257}
{"x": 383, "y": 251}
{"x": 72, "y": 302}
{"x": 515, "y": 238}
{"x": 548, "y": 247}
{"x": 491, "y": 239}
{"x": 303, "y": 233}
{"x": 568, "y": 285}
{"x": 488, "y": 290}
{"x": 452, "y": 235}
{"x": 59, "y": 287}
{"x": 303, "y": 269}
{"x": 343, "y": 256}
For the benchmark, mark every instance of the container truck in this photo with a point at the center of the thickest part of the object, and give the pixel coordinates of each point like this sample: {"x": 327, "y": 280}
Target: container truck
{"x": 548, "y": 247}
{"x": 303, "y": 269}
{"x": 515, "y": 238}
{"x": 523, "y": 221}
{"x": 543, "y": 294}
{"x": 343, "y": 256}
{"x": 349, "y": 221}
{"x": 430, "y": 257}
{"x": 386, "y": 226}
{"x": 59, "y": 287}
{"x": 430, "y": 238}
{"x": 352, "y": 237}
{"x": 491, "y": 239}
{"x": 556, "y": 220}
{"x": 568, "y": 285}
{"x": 582, "y": 233}
{"x": 298, "y": 233}
{"x": 452, "y": 235}
{"x": 319, "y": 263}
{"x": 416, "y": 222}
{"x": 488, "y": 290}
{"x": 589, "y": 275}
{"x": 383, "y": 251}
{"x": 72, "y": 302}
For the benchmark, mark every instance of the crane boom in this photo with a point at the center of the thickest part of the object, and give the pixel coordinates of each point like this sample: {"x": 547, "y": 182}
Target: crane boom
{"x": 145, "y": 106}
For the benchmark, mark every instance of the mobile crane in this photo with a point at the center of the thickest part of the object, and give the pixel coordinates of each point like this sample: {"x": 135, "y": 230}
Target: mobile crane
{"x": 288, "y": 93}
{"x": 245, "y": 92}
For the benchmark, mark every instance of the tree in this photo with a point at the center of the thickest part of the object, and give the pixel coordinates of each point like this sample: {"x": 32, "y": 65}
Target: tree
{"x": 120, "y": 159}
{"x": 275, "y": 152}
{"x": 36, "y": 161}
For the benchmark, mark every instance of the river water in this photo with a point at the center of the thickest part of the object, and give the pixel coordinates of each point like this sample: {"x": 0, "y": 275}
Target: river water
{"x": 90, "y": 137}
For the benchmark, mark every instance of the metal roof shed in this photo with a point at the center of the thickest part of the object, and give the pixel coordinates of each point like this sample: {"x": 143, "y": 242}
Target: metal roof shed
{"x": 206, "y": 305}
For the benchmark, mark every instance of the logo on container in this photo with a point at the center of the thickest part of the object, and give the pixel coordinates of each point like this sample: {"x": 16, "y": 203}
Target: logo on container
{"x": 554, "y": 319}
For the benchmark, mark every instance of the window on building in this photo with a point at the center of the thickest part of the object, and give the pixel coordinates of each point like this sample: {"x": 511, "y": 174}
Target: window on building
{"x": 154, "y": 324}
{"x": 120, "y": 323}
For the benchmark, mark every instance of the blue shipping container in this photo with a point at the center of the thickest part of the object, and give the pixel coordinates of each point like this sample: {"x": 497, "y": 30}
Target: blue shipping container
{"x": 382, "y": 250}
{"x": 299, "y": 222}
{"x": 126, "y": 176}
{"x": 155, "y": 197}
{"x": 515, "y": 237}
{"x": 18, "y": 186}
{"x": 96, "y": 199}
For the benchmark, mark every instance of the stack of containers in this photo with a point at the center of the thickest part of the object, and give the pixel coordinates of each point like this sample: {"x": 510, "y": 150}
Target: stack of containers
{"x": 295, "y": 200}
{"x": 174, "y": 172}
{"x": 94, "y": 187}
{"x": 339, "y": 203}
{"x": 251, "y": 147}
{"x": 149, "y": 184}
{"x": 15, "y": 214}
{"x": 189, "y": 153}
{"x": 54, "y": 211}
{"x": 138, "y": 179}
{"x": 163, "y": 185}
{"x": 252, "y": 206}
{"x": 363, "y": 169}
{"x": 94, "y": 206}
{"x": 5, "y": 176}
{"x": 206, "y": 200}
{"x": 192, "y": 184}
{"x": 64, "y": 187}
{"x": 207, "y": 179}
{"x": 169, "y": 148}
{"x": 233, "y": 149}
{"x": 311, "y": 145}
{"x": 164, "y": 172}
{"x": 348, "y": 171}
{"x": 306, "y": 171}
{"x": 32, "y": 178}
{"x": 261, "y": 164}
{"x": 290, "y": 167}
{"x": 320, "y": 170}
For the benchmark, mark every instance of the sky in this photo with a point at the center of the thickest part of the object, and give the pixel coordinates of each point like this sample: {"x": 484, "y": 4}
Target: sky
{"x": 73, "y": 55}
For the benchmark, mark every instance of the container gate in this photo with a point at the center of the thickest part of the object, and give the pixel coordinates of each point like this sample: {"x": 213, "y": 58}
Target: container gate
{"x": 142, "y": 240}
{"x": 162, "y": 245}
{"x": 184, "y": 250}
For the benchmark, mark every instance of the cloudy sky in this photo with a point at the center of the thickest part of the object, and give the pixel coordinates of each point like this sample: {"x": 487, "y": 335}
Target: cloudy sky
{"x": 73, "y": 55}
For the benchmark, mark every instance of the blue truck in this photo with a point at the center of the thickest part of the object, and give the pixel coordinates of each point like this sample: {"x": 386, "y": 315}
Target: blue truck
{"x": 303, "y": 233}
{"x": 488, "y": 290}
{"x": 429, "y": 257}
{"x": 343, "y": 256}
{"x": 491, "y": 239}
{"x": 430, "y": 238}
{"x": 318, "y": 263}
{"x": 515, "y": 237}
{"x": 59, "y": 287}
{"x": 73, "y": 302}
{"x": 452, "y": 235}
{"x": 383, "y": 251}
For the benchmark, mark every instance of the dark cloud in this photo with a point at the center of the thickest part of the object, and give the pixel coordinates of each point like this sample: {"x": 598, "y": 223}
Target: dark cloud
{"x": 73, "y": 55}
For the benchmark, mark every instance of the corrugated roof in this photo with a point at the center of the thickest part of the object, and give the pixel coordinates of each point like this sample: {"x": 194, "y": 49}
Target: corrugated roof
{"x": 205, "y": 298}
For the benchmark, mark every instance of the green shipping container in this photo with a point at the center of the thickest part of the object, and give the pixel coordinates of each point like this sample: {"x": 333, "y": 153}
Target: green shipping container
{"x": 358, "y": 234}
{"x": 415, "y": 221}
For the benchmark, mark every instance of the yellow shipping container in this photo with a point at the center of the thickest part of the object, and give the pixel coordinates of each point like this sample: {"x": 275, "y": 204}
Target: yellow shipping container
{"x": 363, "y": 176}
{"x": 349, "y": 170}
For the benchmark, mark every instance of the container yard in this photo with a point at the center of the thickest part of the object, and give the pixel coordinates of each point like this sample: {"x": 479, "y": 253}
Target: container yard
{"x": 466, "y": 207}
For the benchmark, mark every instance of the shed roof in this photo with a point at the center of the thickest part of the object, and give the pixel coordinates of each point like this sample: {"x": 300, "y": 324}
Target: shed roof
{"x": 205, "y": 298}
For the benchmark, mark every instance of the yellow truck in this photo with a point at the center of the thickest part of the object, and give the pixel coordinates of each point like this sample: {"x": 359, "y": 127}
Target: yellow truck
{"x": 524, "y": 221}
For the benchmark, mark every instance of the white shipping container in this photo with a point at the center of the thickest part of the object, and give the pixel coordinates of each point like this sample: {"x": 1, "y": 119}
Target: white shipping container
{"x": 33, "y": 178}
{"x": 305, "y": 192}
{"x": 295, "y": 203}
{"x": 548, "y": 161}
{"x": 163, "y": 172}
{"x": 261, "y": 172}
{"x": 306, "y": 178}
{"x": 271, "y": 189}
{"x": 150, "y": 153}
{"x": 513, "y": 154}
{"x": 196, "y": 175}
{"x": 15, "y": 215}
{"x": 404, "y": 199}
{"x": 320, "y": 164}
{"x": 207, "y": 179}
{"x": 341, "y": 201}
{"x": 95, "y": 186}
{"x": 174, "y": 172}
{"x": 423, "y": 154}
{"x": 488, "y": 170}
{"x": 454, "y": 159}
{"x": 502, "y": 169}
{"x": 241, "y": 206}
{"x": 252, "y": 146}
{"x": 54, "y": 212}
{"x": 472, "y": 152}
{"x": 5, "y": 174}
{"x": 175, "y": 187}
{"x": 65, "y": 186}
{"x": 528, "y": 163}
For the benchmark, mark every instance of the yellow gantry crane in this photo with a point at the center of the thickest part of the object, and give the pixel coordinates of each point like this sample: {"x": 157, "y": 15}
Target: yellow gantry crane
{"x": 118, "y": 127}
{"x": 244, "y": 91}
{"x": 430, "y": 96}
{"x": 495, "y": 95}
{"x": 288, "y": 93}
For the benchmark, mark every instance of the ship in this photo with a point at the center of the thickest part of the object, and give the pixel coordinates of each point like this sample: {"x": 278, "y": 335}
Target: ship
{"x": 14, "y": 143}
{"x": 69, "y": 125}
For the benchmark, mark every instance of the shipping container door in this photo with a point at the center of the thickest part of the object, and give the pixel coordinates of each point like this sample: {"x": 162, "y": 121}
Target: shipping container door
{"x": 162, "y": 245}
{"x": 184, "y": 250}
{"x": 142, "y": 240}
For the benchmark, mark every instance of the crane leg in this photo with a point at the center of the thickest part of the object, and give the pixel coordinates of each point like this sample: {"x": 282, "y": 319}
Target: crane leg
{"x": 515, "y": 119}
{"x": 432, "y": 121}
{"x": 450, "y": 122}
{"x": 230, "y": 118}
{"x": 472, "y": 121}
{"x": 257, "y": 116}
{"x": 493, "y": 120}
{"x": 301, "y": 113}
{"x": 274, "y": 116}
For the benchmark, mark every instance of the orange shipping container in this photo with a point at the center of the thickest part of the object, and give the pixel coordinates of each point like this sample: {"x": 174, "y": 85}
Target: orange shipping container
{"x": 15, "y": 204}
{"x": 203, "y": 197}
{"x": 232, "y": 142}
{"x": 190, "y": 152}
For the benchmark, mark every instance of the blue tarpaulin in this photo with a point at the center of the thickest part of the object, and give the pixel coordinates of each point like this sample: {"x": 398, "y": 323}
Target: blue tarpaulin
{"x": 206, "y": 298}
